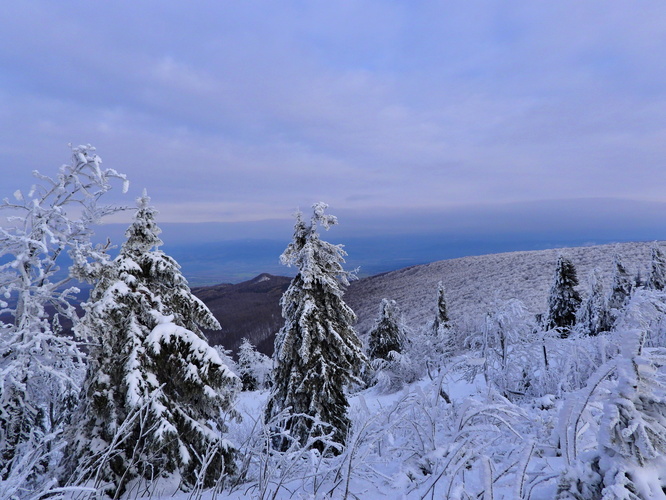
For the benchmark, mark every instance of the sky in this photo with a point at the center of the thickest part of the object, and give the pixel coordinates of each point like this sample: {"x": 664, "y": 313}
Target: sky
{"x": 532, "y": 121}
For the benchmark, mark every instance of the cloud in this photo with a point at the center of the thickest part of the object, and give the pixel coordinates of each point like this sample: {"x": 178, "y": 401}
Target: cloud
{"x": 247, "y": 110}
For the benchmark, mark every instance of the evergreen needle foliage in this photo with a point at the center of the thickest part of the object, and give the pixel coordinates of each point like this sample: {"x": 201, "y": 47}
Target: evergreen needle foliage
{"x": 387, "y": 335}
{"x": 564, "y": 299}
{"x": 621, "y": 288}
{"x": 151, "y": 359}
{"x": 317, "y": 353}
{"x": 442, "y": 319}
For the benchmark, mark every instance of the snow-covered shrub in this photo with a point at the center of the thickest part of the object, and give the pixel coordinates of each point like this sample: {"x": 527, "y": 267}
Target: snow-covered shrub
{"x": 456, "y": 452}
{"x": 631, "y": 437}
{"x": 499, "y": 348}
{"x": 581, "y": 480}
{"x": 657, "y": 277}
{"x": 41, "y": 369}
{"x": 392, "y": 373}
{"x": 646, "y": 308}
{"x": 553, "y": 365}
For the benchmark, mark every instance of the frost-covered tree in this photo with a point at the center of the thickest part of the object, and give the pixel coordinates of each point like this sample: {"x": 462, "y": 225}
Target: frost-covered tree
{"x": 621, "y": 287}
{"x": 592, "y": 316}
{"x": 40, "y": 368}
{"x": 391, "y": 365}
{"x": 498, "y": 345}
{"x": 563, "y": 299}
{"x": 317, "y": 352}
{"x": 155, "y": 389}
{"x": 638, "y": 280}
{"x": 632, "y": 436}
{"x": 657, "y": 277}
{"x": 443, "y": 341}
{"x": 254, "y": 368}
{"x": 388, "y": 334}
{"x": 442, "y": 319}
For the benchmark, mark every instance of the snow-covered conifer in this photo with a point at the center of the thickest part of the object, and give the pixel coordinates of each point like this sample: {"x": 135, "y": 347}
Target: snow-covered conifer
{"x": 391, "y": 365}
{"x": 254, "y": 368}
{"x": 631, "y": 438}
{"x": 657, "y": 278}
{"x": 317, "y": 353}
{"x": 151, "y": 372}
{"x": 40, "y": 369}
{"x": 621, "y": 287}
{"x": 388, "y": 334}
{"x": 563, "y": 299}
{"x": 592, "y": 316}
{"x": 638, "y": 280}
{"x": 442, "y": 313}
{"x": 443, "y": 342}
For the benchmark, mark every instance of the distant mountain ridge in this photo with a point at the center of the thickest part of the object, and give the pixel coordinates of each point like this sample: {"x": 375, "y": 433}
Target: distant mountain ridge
{"x": 473, "y": 283}
{"x": 251, "y": 309}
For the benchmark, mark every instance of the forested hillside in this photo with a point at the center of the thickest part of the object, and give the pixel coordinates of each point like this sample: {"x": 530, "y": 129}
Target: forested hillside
{"x": 474, "y": 284}
{"x": 245, "y": 310}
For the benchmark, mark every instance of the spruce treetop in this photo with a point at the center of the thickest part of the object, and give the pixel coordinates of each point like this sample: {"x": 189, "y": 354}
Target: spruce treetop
{"x": 143, "y": 234}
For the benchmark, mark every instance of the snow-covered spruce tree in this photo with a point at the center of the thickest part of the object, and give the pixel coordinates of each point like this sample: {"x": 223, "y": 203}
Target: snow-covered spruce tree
{"x": 442, "y": 314}
{"x": 592, "y": 316}
{"x": 443, "y": 341}
{"x": 317, "y": 353}
{"x": 391, "y": 365}
{"x": 621, "y": 287}
{"x": 151, "y": 373}
{"x": 387, "y": 335}
{"x": 563, "y": 299}
{"x": 41, "y": 369}
{"x": 254, "y": 368}
{"x": 657, "y": 277}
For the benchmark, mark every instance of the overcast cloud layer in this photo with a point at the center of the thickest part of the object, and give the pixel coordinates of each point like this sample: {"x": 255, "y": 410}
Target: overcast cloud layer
{"x": 242, "y": 111}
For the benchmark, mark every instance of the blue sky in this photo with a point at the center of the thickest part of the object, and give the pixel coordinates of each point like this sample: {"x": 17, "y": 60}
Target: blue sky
{"x": 479, "y": 116}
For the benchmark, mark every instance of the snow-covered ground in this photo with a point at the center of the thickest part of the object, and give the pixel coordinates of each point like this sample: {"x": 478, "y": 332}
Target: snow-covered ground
{"x": 479, "y": 425}
{"x": 413, "y": 444}
{"x": 409, "y": 444}
{"x": 452, "y": 435}
{"x": 474, "y": 283}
